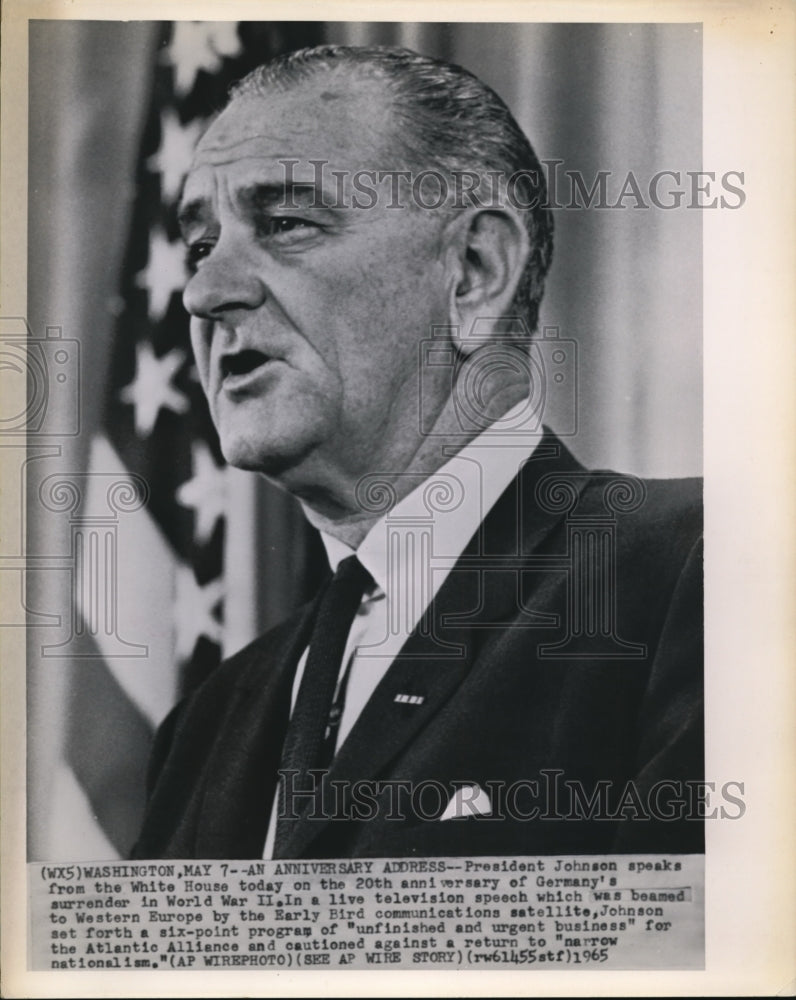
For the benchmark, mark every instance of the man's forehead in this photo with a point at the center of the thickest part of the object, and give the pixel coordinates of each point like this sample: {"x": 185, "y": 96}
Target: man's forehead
{"x": 317, "y": 117}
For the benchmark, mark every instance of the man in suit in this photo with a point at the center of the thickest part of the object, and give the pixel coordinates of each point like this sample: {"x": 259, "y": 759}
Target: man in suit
{"x": 507, "y": 659}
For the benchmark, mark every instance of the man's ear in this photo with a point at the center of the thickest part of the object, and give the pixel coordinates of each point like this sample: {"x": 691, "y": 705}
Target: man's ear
{"x": 489, "y": 250}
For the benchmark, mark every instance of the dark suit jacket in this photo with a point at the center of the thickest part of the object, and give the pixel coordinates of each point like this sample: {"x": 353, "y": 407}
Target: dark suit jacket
{"x": 564, "y": 652}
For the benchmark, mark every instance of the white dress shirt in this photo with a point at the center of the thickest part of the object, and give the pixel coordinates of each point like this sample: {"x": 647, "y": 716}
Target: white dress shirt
{"x": 409, "y": 553}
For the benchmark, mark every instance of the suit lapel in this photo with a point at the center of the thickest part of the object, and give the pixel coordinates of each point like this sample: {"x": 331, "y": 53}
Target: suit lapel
{"x": 516, "y": 527}
{"x": 437, "y": 657}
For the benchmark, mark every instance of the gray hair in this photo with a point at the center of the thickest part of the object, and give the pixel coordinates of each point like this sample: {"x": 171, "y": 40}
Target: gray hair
{"x": 456, "y": 123}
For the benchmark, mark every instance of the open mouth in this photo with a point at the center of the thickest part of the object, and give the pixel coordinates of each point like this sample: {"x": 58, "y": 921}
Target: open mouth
{"x": 241, "y": 364}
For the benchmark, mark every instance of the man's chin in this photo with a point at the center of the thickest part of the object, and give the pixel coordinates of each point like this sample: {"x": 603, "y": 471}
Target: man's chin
{"x": 272, "y": 460}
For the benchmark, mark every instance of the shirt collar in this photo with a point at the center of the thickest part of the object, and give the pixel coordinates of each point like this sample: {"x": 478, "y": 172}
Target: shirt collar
{"x": 454, "y": 500}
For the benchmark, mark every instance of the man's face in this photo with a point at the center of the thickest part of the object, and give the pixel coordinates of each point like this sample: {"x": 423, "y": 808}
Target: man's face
{"x": 306, "y": 320}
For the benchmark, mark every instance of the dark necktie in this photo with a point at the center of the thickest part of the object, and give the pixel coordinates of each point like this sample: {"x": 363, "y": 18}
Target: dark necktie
{"x": 304, "y": 743}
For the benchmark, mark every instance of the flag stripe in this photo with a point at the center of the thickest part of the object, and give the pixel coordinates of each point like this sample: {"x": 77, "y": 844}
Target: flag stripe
{"x": 145, "y": 590}
{"x": 118, "y": 736}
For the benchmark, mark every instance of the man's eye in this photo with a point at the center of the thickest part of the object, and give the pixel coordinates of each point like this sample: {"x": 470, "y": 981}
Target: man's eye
{"x": 196, "y": 253}
{"x": 276, "y": 224}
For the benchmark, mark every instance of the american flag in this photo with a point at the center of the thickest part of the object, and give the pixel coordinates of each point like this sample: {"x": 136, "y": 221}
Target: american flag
{"x": 157, "y": 427}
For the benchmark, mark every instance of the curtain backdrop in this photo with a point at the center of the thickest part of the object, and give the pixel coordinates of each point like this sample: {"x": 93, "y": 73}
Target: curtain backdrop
{"x": 625, "y": 286}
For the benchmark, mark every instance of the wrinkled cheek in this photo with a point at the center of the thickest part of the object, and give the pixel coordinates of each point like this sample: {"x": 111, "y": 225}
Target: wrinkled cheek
{"x": 201, "y": 342}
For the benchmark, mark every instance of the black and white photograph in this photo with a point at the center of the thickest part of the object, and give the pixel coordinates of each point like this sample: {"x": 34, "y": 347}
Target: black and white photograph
{"x": 358, "y": 447}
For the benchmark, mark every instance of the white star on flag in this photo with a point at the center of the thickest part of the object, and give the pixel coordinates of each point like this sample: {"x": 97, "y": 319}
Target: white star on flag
{"x": 164, "y": 273}
{"x": 206, "y": 492}
{"x": 173, "y": 157}
{"x": 151, "y": 389}
{"x": 193, "y": 611}
{"x": 199, "y": 45}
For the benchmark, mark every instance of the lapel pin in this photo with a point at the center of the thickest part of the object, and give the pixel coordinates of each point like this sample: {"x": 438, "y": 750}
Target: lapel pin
{"x": 410, "y": 699}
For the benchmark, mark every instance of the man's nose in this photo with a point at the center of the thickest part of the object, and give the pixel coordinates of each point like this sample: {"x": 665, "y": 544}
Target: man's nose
{"x": 226, "y": 280}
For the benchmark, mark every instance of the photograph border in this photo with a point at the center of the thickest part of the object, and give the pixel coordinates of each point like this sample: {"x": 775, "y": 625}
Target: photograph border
{"x": 749, "y": 353}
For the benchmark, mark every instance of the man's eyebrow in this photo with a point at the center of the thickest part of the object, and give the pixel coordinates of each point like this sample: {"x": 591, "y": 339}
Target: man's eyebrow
{"x": 191, "y": 212}
{"x": 263, "y": 195}
{"x": 292, "y": 194}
